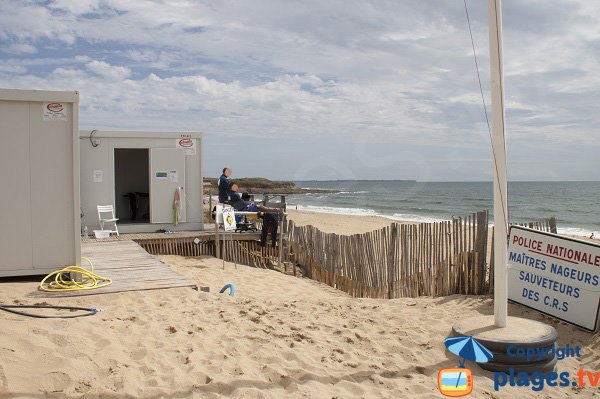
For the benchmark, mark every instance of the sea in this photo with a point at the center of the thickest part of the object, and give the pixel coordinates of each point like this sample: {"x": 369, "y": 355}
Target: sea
{"x": 575, "y": 205}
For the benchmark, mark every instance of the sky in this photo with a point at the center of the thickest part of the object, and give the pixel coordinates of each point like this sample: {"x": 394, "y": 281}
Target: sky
{"x": 319, "y": 90}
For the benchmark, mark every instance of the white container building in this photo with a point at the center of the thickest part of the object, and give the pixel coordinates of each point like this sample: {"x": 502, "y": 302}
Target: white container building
{"x": 138, "y": 173}
{"x": 39, "y": 160}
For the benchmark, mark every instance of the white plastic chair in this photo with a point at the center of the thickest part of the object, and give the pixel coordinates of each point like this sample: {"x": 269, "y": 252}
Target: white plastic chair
{"x": 107, "y": 209}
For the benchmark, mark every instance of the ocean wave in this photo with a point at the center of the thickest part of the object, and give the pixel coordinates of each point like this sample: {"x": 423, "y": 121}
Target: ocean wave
{"x": 403, "y": 217}
{"x": 576, "y": 231}
{"x": 338, "y": 211}
{"x": 406, "y": 217}
{"x": 399, "y": 217}
{"x": 570, "y": 231}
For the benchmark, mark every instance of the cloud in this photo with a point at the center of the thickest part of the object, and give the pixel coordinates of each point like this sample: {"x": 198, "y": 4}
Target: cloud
{"x": 19, "y": 48}
{"x": 363, "y": 72}
{"x": 108, "y": 71}
{"x": 12, "y": 69}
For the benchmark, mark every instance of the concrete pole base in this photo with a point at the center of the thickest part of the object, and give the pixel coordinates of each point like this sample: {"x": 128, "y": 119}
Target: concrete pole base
{"x": 517, "y": 337}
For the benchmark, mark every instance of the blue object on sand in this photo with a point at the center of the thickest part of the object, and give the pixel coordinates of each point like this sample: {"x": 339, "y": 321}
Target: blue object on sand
{"x": 231, "y": 289}
{"x": 469, "y": 349}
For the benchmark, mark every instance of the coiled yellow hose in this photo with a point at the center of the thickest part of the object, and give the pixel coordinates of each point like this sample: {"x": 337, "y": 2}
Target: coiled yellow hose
{"x": 64, "y": 282}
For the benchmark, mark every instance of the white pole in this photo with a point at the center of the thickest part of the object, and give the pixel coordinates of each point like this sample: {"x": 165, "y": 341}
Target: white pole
{"x": 499, "y": 167}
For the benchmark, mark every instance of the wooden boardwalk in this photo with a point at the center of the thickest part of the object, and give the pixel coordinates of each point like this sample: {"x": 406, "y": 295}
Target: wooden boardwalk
{"x": 202, "y": 235}
{"x": 128, "y": 265}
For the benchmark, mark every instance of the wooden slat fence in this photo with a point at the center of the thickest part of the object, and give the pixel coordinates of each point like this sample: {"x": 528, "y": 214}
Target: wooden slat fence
{"x": 547, "y": 225}
{"x": 238, "y": 248}
{"x": 401, "y": 260}
{"x": 179, "y": 246}
{"x": 406, "y": 260}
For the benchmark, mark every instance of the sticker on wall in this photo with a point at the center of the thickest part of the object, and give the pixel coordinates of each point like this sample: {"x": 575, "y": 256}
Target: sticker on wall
{"x": 98, "y": 176}
{"x": 186, "y": 142}
{"x": 173, "y": 176}
{"x": 54, "y": 112}
{"x": 161, "y": 175}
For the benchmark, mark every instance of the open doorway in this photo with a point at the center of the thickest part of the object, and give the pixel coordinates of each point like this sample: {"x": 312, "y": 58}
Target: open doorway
{"x": 132, "y": 185}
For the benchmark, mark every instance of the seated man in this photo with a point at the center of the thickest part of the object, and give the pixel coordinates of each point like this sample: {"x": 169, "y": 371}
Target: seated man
{"x": 271, "y": 216}
{"x": 240, "y": 204}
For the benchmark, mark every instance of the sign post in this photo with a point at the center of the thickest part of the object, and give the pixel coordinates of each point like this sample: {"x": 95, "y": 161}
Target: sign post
{"x": 499, "y": 164}
{"x": 555, "y": 275}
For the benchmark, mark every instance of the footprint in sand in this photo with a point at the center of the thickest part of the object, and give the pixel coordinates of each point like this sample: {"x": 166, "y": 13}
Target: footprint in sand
{"x": 102, "y": 343}
{"x": 139, "y": 354}
{"x": 55, "y": 382}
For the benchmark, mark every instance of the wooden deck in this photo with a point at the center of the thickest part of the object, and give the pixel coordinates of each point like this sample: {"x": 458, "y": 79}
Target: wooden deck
{"x": 129, "y": 266}
{"x": 206, "y": 234}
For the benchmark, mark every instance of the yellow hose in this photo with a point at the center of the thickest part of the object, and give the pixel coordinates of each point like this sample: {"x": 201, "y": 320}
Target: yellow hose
{"x": 63, "y": 282}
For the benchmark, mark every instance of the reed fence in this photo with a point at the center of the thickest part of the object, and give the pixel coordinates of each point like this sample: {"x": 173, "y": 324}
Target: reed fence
{"x": 402, "y": 260}
{"x": 547, "y": 225}
{"x": 235, "y": 248}
{"x": 406, "y": 260}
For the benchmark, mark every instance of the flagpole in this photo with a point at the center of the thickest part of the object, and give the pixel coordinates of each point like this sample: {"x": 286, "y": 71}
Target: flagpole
{"x": 499, "y": 166}
{"x": 518, "y": 331}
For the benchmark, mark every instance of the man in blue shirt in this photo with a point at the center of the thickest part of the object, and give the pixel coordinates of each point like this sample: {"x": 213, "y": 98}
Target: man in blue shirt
{"x": 224, "y": 191}
{"x": 270, "y": 216}
{"x": 240, "y": 204}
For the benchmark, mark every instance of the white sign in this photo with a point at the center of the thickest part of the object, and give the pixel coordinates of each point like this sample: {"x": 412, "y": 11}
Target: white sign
{"x": 98, "y": 176}
{"x": 556, "y": 275}
{"x": 173, "y": 176}
{"x": 187, "y": 143}
{"x": 54, "y": 112}
{"x": 219, "y": 213}
{"x": 220, "y": 208}
{"x": 229, "y": 220}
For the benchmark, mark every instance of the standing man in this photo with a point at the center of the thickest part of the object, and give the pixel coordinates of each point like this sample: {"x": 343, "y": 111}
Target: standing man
{"x": 224, "y": 191}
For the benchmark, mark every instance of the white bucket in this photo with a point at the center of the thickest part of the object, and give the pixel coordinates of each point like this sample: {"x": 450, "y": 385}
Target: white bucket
{"x": 102, "y": 233}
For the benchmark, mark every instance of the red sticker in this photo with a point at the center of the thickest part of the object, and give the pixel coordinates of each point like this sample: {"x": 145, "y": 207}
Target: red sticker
{"x": 186, "y": 142}
{"x": 55, "y": 107}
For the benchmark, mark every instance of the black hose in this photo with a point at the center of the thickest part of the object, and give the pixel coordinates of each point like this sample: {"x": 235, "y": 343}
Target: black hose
{"x": 9, "y": 308}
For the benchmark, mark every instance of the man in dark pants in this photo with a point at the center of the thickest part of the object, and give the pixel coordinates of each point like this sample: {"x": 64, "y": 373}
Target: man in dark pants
{"x": 270, "y": 216}
{"x": 270, "y": 226}
{"x": 224, "y": 191}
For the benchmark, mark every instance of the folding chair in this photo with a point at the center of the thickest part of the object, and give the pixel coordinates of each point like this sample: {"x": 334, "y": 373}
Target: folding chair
{"x": 107, "y": 209}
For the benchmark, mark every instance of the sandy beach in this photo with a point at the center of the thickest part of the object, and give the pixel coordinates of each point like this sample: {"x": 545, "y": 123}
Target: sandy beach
{"x": 278, "y": 337}
{"x": 340, "y": 224}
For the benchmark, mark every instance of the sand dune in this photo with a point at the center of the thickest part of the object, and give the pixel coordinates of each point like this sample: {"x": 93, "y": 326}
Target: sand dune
{"x": 279, "y": 336}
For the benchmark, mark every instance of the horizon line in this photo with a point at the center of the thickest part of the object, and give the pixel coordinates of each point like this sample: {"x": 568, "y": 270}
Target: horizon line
{"x": 431, "y": 181}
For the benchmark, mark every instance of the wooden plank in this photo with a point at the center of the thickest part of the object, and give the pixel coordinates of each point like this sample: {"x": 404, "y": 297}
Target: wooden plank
{"x": 129, "y": 266}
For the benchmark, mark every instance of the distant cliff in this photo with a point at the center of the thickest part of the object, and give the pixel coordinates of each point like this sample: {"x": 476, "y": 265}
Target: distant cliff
{"x": 259, "y": 185}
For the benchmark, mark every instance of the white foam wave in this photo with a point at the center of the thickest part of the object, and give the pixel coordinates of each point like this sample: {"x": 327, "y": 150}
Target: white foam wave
{"x": 575, "y": 231}
{"x": 403, "y": 217}
{"x": 399, "y": 217}
{"x": 570, "y": 231}
{"x": 338, "y": 211}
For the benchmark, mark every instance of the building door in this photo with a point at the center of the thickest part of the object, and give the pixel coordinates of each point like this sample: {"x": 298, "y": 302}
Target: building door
{"x": 15, "y": 202}
{"x": 167, "y": 173}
